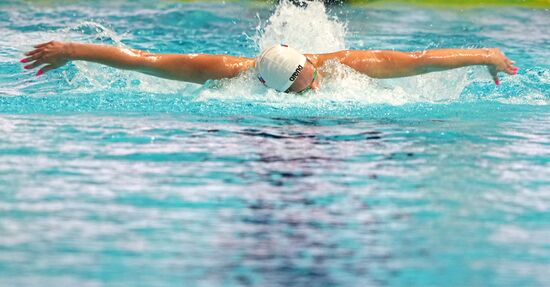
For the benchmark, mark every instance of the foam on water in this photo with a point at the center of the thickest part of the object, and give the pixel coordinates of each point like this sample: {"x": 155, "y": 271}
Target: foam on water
{"x": 92, "y": 76}
{"x": 79, "y": 76}
{"x": 310, "y": 29}
{"x": 107, "y": 173}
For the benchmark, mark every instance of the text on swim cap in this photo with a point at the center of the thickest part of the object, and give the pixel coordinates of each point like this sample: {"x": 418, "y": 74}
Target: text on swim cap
{"x": 296, "y": 73}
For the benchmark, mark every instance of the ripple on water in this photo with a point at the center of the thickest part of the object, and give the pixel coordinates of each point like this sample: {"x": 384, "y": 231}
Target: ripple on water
{"x": 434, "y": 180}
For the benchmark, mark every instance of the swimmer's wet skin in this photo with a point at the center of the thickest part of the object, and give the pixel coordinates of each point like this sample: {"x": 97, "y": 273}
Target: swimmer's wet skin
{"x": 279, "y": 67}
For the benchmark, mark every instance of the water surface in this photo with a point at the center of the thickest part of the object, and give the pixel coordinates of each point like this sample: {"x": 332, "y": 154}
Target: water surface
{"x": 112, "y": 178}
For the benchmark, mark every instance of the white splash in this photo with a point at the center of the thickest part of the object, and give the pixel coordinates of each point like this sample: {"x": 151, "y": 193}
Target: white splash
{"x": 92, "y": 76}
{"x": 310, "y": 29}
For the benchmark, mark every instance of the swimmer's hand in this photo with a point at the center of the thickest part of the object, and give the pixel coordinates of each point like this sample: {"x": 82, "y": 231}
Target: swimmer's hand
{"x": 52, "y": 54}
{"x": 499, "y": 63}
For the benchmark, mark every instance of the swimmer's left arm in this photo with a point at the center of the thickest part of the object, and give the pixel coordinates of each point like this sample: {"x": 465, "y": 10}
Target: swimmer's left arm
{"x": 393, "y": 64}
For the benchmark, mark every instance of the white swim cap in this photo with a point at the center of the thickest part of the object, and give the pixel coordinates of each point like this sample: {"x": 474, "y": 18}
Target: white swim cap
{"x": 279, "y": 66}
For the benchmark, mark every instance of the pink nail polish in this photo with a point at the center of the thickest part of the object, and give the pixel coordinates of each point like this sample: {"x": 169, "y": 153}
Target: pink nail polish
{"x": 27, "y": 67}
{"x": 497, "y": 82}
{"x": 39, "y": 73}
{"x": 23, "y": 60}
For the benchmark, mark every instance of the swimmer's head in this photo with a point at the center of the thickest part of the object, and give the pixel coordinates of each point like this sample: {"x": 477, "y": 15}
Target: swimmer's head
{"x": 279, "y": 66}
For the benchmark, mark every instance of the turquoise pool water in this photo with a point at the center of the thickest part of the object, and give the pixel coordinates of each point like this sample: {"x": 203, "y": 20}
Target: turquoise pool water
{"x": 111, "y": 178}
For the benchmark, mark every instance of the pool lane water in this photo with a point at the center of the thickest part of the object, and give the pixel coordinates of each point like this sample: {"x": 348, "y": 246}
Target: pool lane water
{"x": 111, "y": 178}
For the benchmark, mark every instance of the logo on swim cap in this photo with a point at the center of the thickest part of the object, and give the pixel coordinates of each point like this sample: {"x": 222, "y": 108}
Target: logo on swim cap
{"x": 296, "y": 73}
{"x": 279, "y": 66}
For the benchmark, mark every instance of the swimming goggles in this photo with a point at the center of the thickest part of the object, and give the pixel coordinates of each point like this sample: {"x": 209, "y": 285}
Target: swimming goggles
{"x": 309, "y": 86}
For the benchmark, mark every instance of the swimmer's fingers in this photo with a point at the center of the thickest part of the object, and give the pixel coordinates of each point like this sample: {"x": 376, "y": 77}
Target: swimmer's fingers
{"x": 494, "y": 74}
{"x": 45, "y": 69}
{"x": 33, "y": 57}
{"x": 30, "y": 53}
{"x": 511, "y": 70}
{"x": 42, "y": 45}
{"x": 514, "y": 69}
{"x": 509, "y": 62}
{"x": 496, "y": 80}
{"x": 34, "y": 64}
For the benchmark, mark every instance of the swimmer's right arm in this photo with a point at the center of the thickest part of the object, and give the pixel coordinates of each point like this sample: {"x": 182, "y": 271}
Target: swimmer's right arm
{"x": 196, "y": 68}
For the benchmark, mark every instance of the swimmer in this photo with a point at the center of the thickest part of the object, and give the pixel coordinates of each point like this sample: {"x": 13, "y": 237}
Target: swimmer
{"x": 278, "y": 67}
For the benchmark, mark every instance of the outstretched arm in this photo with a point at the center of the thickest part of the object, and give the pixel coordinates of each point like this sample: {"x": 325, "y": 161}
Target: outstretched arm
{"x": 393, "y": 64}
{"x": 196, "y": 68}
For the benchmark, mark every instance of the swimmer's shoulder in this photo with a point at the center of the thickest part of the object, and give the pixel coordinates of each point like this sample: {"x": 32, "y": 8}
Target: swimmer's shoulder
{"x": 238, "y": 64}
{"x": 319, "y": 60}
